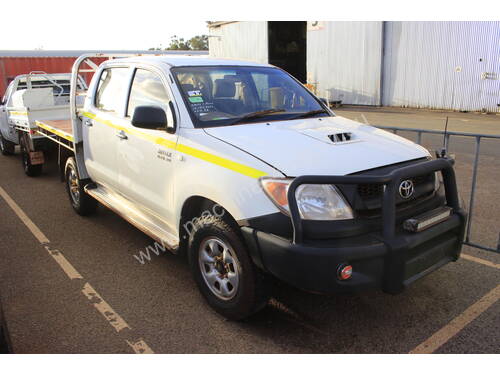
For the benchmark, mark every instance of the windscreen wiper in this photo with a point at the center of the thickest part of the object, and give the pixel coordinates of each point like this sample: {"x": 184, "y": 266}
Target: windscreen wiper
{"x": 255, "y": 115}
{"x": 311, "y": 113}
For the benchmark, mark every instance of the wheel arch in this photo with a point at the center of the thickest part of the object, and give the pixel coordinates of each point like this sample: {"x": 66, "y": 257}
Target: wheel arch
{"x": 193, "y": 207}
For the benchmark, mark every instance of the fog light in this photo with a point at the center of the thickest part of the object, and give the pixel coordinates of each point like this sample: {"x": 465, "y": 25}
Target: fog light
{"x": 344, "y": 272}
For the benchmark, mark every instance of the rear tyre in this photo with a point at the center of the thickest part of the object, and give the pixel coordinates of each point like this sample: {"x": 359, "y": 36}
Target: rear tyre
{"x": 223, "y": 270}
{"x": 29, "y": 169}
{"x": 6, "y": 147}
{"x": 81, "y": 202}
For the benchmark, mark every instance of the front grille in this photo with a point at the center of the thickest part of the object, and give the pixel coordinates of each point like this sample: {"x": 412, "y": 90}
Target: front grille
{"x": 369, "y": 191}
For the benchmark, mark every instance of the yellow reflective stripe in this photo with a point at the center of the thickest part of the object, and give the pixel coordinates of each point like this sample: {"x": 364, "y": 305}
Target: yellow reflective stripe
{"x": 226, "y": 163}
{"x": 211, "y": 158}
{"x": 17, "y": 113}
{"x": 53, "y": 130}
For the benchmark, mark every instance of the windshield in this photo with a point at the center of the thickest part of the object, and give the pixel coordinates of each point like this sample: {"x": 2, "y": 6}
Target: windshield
{"x": 218, "y": 96}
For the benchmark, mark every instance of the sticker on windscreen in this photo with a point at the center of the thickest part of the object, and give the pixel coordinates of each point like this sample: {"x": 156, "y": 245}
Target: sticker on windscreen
{"x": 196, "y": 99}
{"x": 194, "y": 93}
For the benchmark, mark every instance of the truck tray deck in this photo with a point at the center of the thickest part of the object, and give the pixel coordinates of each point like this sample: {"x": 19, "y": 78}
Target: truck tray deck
{"x": 59, "y": 131}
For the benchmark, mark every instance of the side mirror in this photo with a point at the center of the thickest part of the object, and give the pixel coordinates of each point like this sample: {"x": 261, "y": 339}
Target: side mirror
{"x": 149, "y": 117}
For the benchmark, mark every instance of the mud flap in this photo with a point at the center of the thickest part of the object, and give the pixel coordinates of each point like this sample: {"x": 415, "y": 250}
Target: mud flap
{"x": 36, "y": 158}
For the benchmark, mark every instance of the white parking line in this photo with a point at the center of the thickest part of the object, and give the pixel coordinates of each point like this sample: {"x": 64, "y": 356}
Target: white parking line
{"x": 456, "y": 325}
{"x": 139, "y": 346}
{"x": 63, "y": 263}
{"x": 24, "y": 218}
{"x": 104, "y": 308}
{"x": 480, "y": 261}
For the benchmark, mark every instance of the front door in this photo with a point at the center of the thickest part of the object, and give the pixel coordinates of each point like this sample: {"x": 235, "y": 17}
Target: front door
{"x": 146, "y": 156}
{"x": 101, "y": 127}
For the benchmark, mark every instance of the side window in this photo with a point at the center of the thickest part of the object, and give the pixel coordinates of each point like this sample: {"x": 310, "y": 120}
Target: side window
{"x": 147, "y": 89}
{"x": 111, "y": 89}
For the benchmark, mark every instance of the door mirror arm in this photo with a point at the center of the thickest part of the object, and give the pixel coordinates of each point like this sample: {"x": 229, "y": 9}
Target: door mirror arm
{"x": 171, "y": 128}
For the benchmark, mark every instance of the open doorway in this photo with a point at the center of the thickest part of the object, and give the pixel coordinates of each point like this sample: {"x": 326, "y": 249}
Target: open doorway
{"x": 287, "y": 47}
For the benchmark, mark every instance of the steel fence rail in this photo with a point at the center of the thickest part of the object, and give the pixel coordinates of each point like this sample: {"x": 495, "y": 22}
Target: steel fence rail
{"x": 447, "y": 135}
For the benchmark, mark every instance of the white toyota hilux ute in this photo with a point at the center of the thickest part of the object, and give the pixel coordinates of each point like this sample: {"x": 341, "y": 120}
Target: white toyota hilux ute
{"x": 242, "y": 168}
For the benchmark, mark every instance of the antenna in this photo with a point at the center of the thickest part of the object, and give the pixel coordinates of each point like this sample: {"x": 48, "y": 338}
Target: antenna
{"x": 444, "y": 150}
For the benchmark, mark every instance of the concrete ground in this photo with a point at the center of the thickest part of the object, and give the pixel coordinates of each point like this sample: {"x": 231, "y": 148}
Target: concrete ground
{"x": 84, "y": 292}
{"x": 471, "y": 122}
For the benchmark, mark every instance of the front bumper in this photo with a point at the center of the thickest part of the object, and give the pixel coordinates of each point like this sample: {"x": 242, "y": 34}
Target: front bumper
{"x": 390, "y": 260}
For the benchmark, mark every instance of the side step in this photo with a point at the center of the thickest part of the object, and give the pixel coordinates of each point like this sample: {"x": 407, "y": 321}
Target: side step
{"x": 148, "y": 223}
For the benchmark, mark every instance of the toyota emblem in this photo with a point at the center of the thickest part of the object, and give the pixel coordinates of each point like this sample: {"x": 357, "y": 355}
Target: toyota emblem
{"x": 406, "y": 189}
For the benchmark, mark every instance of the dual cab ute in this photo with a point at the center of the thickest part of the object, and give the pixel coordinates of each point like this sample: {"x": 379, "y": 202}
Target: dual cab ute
{"x": 242, "y": 168}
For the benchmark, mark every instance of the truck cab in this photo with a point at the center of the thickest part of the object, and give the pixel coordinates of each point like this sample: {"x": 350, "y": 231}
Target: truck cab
{"x": 239, "y": 166}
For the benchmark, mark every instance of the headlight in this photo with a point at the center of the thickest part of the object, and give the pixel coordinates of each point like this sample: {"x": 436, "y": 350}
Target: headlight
{"x": 315, "y": 202}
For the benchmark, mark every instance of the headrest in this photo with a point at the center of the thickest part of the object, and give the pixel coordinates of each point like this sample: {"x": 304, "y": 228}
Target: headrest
{"x": 224, "y": 88}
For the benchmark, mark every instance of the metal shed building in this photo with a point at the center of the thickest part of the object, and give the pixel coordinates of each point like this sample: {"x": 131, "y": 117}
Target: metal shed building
{"x": 445, "y": 65}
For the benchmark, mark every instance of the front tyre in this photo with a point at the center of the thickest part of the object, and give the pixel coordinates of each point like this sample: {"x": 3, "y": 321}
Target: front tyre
{"x": 81, "y": 202}
{"x": 223, "y": 270}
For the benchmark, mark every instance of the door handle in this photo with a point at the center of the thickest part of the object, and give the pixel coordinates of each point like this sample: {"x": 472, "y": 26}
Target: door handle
{"x": 121, "y": 134}
{"x": 88, "y": 122}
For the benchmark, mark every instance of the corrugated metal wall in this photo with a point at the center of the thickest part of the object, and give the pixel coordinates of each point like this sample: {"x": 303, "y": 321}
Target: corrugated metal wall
{"x": 446, "y": 65}
{"x": 450, "y": 65}
{"x": 10, "y": 67}
{"x": 240, "y": 40}
{"x": 344, "y": 61}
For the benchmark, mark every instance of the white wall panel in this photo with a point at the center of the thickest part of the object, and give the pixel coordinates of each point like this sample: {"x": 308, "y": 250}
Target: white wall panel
{"x": 344, "y": 61}
{"x": 240, "y": 40}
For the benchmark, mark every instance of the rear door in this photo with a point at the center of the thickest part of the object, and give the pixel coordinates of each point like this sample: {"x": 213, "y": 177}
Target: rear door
{"x": 146, "y": 157}
{"x": 102, "y": 125}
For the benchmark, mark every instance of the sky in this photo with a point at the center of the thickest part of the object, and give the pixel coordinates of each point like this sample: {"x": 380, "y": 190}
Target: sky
{"x": 92, "y": 24}
{"x": 141, "y": 24}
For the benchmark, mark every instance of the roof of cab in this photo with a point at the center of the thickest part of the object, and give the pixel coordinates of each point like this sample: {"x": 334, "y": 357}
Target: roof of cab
{"x": 186, "y": 60}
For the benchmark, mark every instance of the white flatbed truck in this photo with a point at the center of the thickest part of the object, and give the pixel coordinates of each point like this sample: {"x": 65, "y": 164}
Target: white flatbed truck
{"x": 33, "y": 113}
{"x": 243, "y": 169}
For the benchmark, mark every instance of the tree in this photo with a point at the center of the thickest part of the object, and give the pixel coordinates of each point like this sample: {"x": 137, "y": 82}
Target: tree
{"x": 199, "y": 42}
{"x": 178, "y": 44}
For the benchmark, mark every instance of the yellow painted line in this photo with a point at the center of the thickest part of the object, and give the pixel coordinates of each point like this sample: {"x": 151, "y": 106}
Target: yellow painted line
{"x": 67, "y": 267}
{"x": 456, "y": 325}
{"x": 54, "y": 130}
{"x": 203, "y": 155}
{"x": 104, "y": 308}
{"x": 24, "y": 218}
{"x": 140, "y": 347}
{"x": 480, "y": 261}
